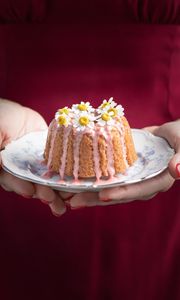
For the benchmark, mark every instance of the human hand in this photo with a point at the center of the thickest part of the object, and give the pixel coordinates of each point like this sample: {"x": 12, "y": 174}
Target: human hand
{"x": 15, "y": 121}
{"x": 143, "y": 190}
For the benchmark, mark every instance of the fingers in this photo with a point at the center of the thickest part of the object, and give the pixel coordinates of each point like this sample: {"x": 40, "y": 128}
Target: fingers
{"x": 65, "y": 195}
{"x": 122, "y": 194}
{"x": 52, "y": 198}
{"x": 57, "y": 200}
{"x": 174, "y": 166}
{"x": 14, "y": 184}
{"x": 150, "y": 129}
{"x": 28, "y": 190}
{"x": 58, "y": 208}
{"x": 34, "y": 121}
{"x": 139, "y": 191}
{"x": 91, "y": 199}
{"x": 171, "y": 132}
{"x": 84, "y": 200}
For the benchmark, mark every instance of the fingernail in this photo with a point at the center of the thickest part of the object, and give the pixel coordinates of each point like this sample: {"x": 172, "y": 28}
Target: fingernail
{"x": 105, "y": 199}
{"x": 55, "y": 214}
{"x": 77, "y": 207}
{"x": 46, "y": 202}
{"x": 178, "y": 169}
{"x": 26, "y": 196}
{"x": 58, "y": 214}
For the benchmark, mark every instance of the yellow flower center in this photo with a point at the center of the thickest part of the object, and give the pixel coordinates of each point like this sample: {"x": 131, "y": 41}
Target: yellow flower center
{"x": 104, "y": 104}
{"x": 112, "y": 111}
{"x": 105, "y": 117}
{"x": 64, "y": 110}
{"x": 84, "y": 121}
{"x": 62, "y": 120}
{"x": 82, "y": 107}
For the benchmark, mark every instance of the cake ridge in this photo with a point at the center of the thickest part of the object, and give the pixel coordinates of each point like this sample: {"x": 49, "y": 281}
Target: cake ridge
{"x": 91, "y": 142}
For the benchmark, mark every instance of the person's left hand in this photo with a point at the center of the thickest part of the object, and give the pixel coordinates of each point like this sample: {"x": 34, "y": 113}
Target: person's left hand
{"x": 143, "y": 190}
{"x": 15, "y": 121}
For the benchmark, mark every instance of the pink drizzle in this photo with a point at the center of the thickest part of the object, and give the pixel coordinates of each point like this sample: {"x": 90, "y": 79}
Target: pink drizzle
{"x": 96, "y": 154}
{"x": 121, "y": 130}
{"x": 54, "y": 132}
{"x": 110, "y": 158}
{"x": 78, "y": 138}
{"x": 105, "y": 132}
{"x": 66, "y": 133}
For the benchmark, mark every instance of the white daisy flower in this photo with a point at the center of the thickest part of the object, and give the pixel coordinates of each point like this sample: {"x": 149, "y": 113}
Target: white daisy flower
{"x": 63, "y": 119}
{"x": 105, "y": 119}
{"x": 117, "y": 111}
{"x": 106, "y": 105}
{"x": 65, "y": 110}
{"x": 83, "y": 121}
{"x": 82, "y": 107}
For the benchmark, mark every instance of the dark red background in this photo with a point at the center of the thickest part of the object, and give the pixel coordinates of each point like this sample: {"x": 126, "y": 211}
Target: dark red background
{"x": 56, "y": 53}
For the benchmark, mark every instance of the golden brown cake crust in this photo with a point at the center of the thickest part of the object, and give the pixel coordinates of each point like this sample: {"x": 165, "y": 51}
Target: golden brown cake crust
{"x": 86, "y": 161}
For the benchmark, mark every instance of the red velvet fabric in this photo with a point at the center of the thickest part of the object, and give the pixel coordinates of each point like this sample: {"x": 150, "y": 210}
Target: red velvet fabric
{"x": 129, "y": 251}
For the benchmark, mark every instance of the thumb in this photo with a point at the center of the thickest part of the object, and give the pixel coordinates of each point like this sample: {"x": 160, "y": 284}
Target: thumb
{"x": 34, "y": 121}
{"x": 170, "y": 131}
{"x": 174, "y": 164}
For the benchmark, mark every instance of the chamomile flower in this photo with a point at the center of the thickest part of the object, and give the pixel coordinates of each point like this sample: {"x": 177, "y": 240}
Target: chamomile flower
{"x": 63, "y": 120}
{"x": 106, "y": 105}
{"x": 117, "y": 111}
{"x": 105, "y": 119}
{"x": 63, "y": 111}
{"x": 82, "y": 107}
{"x": 84, "y": 120}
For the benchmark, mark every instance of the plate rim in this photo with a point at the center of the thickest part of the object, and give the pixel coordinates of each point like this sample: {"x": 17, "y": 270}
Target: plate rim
{"x": 92, "y": 187}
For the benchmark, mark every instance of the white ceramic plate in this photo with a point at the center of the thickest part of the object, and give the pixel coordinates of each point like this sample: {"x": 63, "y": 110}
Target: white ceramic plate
{"x": 23, "y": 158}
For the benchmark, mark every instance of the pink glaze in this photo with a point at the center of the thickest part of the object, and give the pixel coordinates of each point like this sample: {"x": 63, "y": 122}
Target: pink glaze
{"x": 78, "y": 138}
{"x": 106, "y": 133}
{"x": 96, "y": 157}
{"x": 54, "y": 132}
{"x": 110, "y": 180}
{"x": 110, "y": 158}
{"x": 66, "y": 133}
{"x": 61, "y": 181}
{"x": 121, "y": 130}
{"x": 76, "y": 182}
{"x": 99, "y": 182}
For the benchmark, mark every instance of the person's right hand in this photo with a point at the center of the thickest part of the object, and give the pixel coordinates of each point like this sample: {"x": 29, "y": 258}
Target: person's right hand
{"x": 15, "y": 121}
{"x": 143, "y": 190}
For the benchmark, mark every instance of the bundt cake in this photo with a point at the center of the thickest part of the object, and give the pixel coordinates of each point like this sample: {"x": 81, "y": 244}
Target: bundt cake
{"x": 85, "y": 142}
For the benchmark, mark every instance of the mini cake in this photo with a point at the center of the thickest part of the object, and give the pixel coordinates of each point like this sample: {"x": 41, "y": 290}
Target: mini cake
{"x": 86, "y": 142}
